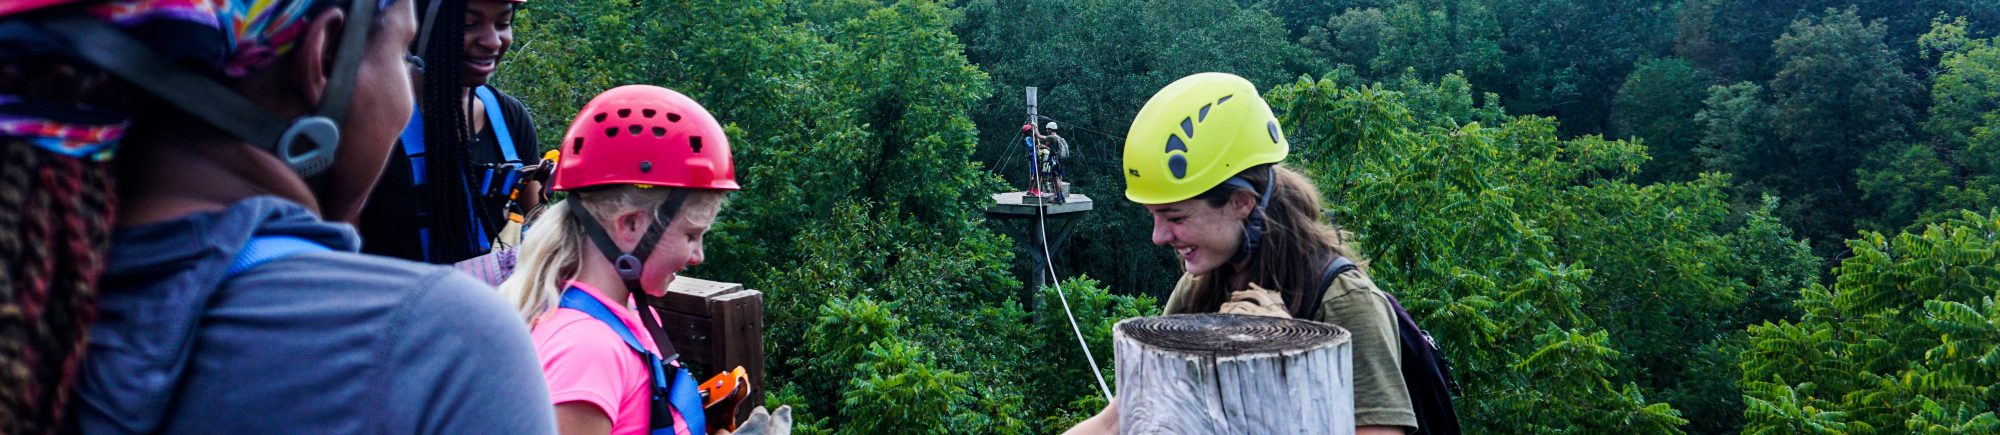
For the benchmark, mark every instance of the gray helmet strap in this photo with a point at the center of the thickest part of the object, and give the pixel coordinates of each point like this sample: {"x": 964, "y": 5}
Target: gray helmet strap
{"x": 306, "y": 143}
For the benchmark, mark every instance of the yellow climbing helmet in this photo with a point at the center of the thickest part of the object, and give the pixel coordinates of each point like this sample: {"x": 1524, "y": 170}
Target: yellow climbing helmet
{"x": 1197, "y": 133}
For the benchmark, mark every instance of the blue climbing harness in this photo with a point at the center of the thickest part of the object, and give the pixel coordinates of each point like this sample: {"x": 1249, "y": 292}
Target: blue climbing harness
{"x": 678, "y": 395}
{"x": 507, "y": 172}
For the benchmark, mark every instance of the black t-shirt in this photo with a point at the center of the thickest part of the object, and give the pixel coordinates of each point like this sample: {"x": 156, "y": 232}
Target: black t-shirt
{"x": 390, "y": 221}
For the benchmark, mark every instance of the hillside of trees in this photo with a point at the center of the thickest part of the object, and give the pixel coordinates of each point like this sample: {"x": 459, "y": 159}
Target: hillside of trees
{"x": 1672, "y": 216}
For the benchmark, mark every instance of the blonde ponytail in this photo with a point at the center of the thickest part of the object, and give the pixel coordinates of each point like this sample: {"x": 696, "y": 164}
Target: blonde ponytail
{"x": 547, "y": 258}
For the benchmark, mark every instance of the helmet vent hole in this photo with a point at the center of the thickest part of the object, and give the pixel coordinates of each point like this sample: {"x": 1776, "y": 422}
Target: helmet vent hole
{"x": 1178, "y": 164}
{"x": 1224, "y": 99}
{"x": 659, "y": 132}
{"x": 635, "y": 128}
{"x": 694, "y": 143}
{"x": 624, "y": 113}
{"x": 1187, "y": 127}
{"x": 648, "y": 113}
{"x": 673, "y": 117}
{"x": 611, "y": 132}
{"x": 1204, "y": 113}
{"x": 1272, "y": 126}
{"x": 600, "y": 117}
{"x": 576, "y": 146}
{"x": 1174, "y": 143}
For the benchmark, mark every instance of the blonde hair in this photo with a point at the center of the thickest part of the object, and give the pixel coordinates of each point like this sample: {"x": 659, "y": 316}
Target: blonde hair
{"x": 554, "y": 247}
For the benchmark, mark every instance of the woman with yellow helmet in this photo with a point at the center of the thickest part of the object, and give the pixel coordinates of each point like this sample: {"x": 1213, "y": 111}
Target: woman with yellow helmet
{"x": 1205, "y": 156}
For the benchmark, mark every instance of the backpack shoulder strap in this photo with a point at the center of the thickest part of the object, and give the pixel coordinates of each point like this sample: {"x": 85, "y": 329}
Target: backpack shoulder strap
{"x": 263, "y": 249}
{"x": 498, "y": 122}
{"x": 1340, "y": 264}
{"x": 413, "y": 144}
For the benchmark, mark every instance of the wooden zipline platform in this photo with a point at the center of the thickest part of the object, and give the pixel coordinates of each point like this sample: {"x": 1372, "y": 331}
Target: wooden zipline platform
{"x": 1018, "y": 205}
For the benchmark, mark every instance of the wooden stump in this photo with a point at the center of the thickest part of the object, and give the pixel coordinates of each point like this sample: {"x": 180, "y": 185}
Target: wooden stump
{"x": 1220, "y": 373}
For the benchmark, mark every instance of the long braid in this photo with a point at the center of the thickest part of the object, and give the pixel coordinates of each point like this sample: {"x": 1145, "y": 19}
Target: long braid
{"x": 53, "y": 234}
{"x": 52, "y": 247}
{"x": 446, "y": 134}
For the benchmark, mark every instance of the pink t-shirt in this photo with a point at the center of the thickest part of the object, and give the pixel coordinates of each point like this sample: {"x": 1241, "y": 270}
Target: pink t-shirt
{"x": 585, "y": 361}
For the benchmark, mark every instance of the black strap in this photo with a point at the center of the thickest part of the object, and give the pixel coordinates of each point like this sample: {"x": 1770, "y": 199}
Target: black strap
{"x": 631, "y": 265}
{"x": 1309, "y": 310}
{"x": 424, "y": 28}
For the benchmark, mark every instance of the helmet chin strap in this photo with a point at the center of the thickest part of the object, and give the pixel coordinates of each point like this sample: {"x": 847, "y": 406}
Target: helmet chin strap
{"x": 306, "y": 143}
{"x": 1253, "y": 227}
{"x": 631, "y": 266}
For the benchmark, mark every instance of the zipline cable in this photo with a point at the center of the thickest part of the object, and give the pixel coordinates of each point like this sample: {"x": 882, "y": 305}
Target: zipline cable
{"x": 1042, "y": 233}
{"x": 1087, "y": 129}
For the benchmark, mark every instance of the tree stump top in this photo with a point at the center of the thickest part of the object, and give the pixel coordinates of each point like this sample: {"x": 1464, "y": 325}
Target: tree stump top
{"x": 1229, "y": 334}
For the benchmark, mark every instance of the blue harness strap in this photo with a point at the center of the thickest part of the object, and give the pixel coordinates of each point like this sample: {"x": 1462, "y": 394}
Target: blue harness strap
{"x": 414, "y": 147}
{"x": 680, "y": 393}
{"x": 509, "y": 158}
{"x": 499, "y": 123}
{"x": 263, "y": 249}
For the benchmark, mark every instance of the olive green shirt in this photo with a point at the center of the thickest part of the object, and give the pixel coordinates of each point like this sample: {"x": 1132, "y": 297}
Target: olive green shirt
{"x": 1353, "y": 303}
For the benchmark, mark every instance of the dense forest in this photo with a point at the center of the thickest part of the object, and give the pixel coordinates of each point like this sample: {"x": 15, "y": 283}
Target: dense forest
{"x": 1660, "y": 216}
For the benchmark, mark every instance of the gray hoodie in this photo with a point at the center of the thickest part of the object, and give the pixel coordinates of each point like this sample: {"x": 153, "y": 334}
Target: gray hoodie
{"x": 317, "y": 342}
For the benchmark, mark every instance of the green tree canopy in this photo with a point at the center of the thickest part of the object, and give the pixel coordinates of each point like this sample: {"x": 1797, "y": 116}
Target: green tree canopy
{"x": 1907, "y": 340}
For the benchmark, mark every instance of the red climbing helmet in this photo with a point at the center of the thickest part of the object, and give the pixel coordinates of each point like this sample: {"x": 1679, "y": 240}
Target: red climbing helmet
{"x": 645, "y": 135}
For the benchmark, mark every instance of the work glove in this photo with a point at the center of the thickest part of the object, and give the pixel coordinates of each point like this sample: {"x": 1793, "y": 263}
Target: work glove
{"x": 1256, "y": 302}
{"x": 764, "y": 422}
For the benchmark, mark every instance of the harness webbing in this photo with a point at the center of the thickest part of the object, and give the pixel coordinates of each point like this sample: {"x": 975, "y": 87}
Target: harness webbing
{"x": 414, "y": 147}
{"x": 680, "y": 393}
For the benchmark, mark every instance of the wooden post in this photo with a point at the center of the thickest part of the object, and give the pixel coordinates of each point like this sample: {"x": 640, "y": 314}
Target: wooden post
{"x": 1220, "y": 373}
{"x": 717, "y": 326}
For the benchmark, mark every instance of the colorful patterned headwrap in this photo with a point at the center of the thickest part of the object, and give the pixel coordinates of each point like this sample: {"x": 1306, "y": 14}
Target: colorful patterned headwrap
{"x": 227, "y": 39}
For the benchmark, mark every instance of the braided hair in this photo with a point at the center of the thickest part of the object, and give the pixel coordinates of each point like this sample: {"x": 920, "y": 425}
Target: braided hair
{"x": 447, "y": 134}
{"x": 54, "y": 230}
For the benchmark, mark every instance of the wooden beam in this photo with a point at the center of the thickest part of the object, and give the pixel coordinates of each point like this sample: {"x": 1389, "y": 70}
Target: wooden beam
{"x": 1221, "y": 373}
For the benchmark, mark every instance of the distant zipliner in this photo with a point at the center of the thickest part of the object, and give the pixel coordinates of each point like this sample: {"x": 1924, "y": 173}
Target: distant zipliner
{"x": 1046, "y": 151}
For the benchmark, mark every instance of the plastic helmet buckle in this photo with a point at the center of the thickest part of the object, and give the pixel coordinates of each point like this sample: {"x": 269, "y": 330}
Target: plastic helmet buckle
{"x": 628, "y": 267}
{"x": 313, "y": 154}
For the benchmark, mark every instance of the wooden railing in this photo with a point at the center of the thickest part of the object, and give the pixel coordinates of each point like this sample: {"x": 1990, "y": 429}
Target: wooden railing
{"x": 717, "y": 326}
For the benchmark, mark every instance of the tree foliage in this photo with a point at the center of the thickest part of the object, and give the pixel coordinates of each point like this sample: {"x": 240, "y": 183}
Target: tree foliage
{"x": 1907, "y": 339}
{"x": 1566, "y": 294}
{"x": 1593, "y": 259}
{"x": 1657, "y": 102}
{"x": 1958, "y": 167}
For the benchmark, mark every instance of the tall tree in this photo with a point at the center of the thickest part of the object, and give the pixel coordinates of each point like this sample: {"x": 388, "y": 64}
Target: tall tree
{"x": 1657, "y": 104}
{"x": 1840, "y": 94}
{"x": 1958, "y": 165}
{"x": 1566, "y": 58}
{"x": 1433, "y": 38}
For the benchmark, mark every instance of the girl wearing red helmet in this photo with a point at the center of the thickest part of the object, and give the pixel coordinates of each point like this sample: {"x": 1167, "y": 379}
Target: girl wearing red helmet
{"x": 646, "y": 169}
